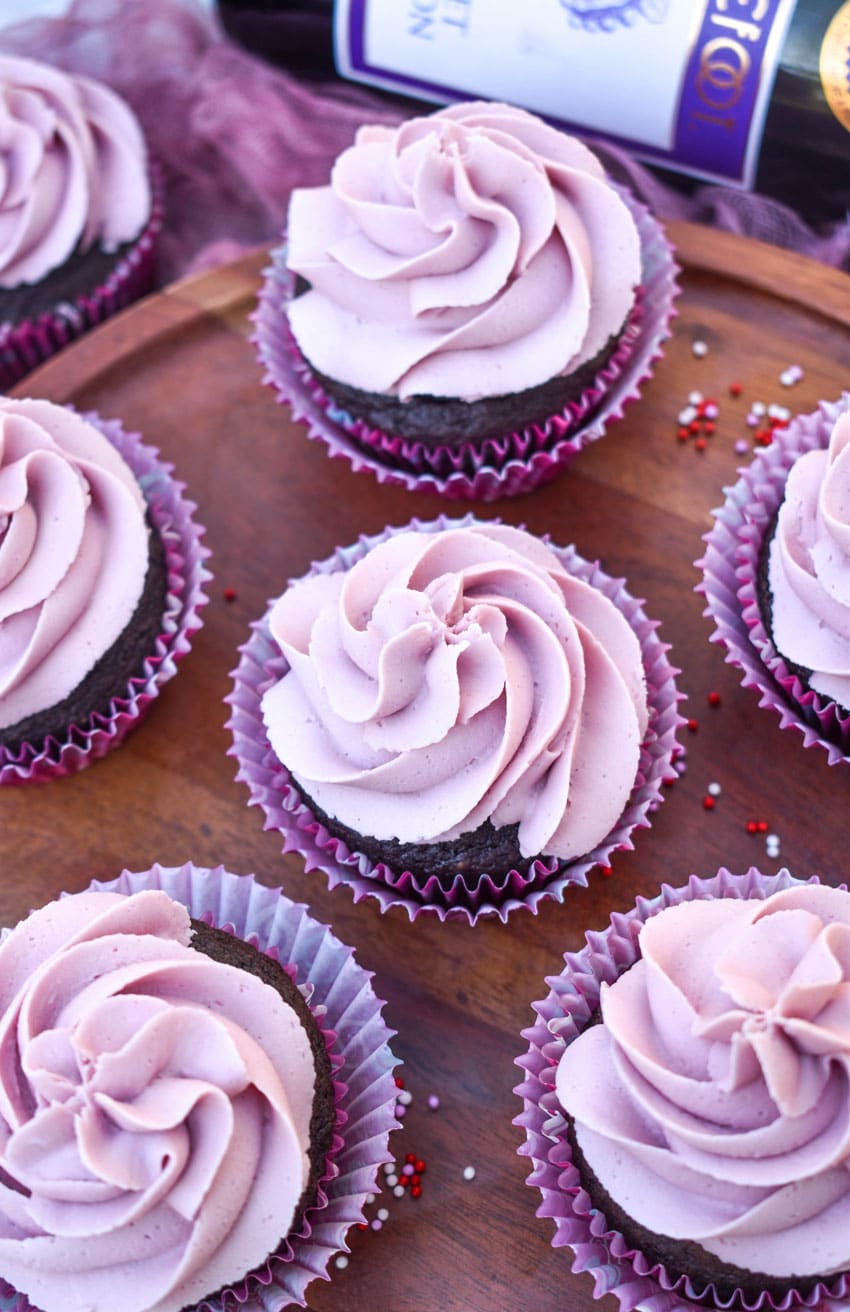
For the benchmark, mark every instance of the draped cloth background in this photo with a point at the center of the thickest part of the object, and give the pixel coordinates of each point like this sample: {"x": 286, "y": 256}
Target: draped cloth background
{"x": 234, "y": 135}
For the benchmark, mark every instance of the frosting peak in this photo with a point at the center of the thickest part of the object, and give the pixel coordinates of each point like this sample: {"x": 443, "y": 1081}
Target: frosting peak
{"x": 154, "y": 1109}
{"x": 809, "y": 567}
{"x": 457, "y": 676}
{"x": 712, "y": 1103}
{"x": 472, "y": 252}
{"x": 73, "y": 169}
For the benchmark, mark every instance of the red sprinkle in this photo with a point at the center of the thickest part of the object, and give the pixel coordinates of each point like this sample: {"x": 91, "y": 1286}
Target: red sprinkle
{"x": 693, "y": 725}
{"x": 762, "y": 826}
{"x": 362, "y": 1225}
{"x": 752, "y": 827}
{"x": 694, "y": 426}
{"x": 410, "y": 1159}
{"x": 416, "y": 1191}
{"x": 700, "y": 444}
{"x": 229, "y": 594}
{"x": 764, "y": 436}
{"x": 420, "y": 1166}
{"x": 735, "y": 389}
{"x": 683, "y": 434}
{"x": 708, "y": 802}
{"x": 606, "y": 871}
{"x": 709, "y": 427}
{"x": 714, "y": 699}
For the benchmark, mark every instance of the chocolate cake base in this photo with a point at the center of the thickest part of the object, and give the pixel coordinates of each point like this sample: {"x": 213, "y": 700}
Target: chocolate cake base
{"x": 685, "y": 1257}
{"x": 485, "y": 850}
{"x": 81, "y": 274}
{"x": 224, "y": 947}
{"x": 110, "y": 676}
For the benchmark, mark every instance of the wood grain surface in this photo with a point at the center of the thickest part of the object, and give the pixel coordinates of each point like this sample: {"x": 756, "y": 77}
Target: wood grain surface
{"x": 180, "y": 368}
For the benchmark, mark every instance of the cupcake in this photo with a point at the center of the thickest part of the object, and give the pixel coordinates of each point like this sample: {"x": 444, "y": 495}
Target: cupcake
{"x": 100, "y": 584}
{"x": 176, "y": 1104}
{"x": 776, "y": 576}
{"x": 684, "y": 1097}
{"x": 463, "y": 300}
{"x": 79, "y": 212}
{"x": 456, "y": 717}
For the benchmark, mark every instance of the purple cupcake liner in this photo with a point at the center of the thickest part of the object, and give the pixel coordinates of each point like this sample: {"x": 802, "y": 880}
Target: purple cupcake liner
{"x": 729, "y": 584}
{"x": 28, "y": 343}
{"x": 272, "y": 788}
{"x": 494, "y": 467}
{"x": 171, "y": 515}
{"x": 616, "y": 1268}
{"x": 340, "y": 995}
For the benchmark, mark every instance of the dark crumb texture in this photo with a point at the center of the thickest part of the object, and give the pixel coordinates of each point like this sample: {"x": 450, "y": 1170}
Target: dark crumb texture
{"x": 111, "y": 675}
{"x": 485, "y": 850}
{"x": 684, "y": 1257}
{"x": 224, "y": 947}
{"x": 80, "y": 275}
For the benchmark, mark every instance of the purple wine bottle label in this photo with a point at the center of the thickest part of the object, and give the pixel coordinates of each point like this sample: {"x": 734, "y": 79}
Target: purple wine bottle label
{"x": 679, "y": 82}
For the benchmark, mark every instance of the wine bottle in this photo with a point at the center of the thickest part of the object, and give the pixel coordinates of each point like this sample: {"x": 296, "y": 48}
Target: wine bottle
{"x": 751, "y": 93}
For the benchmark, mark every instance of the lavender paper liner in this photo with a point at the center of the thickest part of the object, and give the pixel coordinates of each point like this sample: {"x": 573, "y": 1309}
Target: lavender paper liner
{"x": 29, "y": 342}
{"x": 573, "y": 996}
{"x": 273, "y": 790}
{"x": 493, "y": 467}
{"x": 172, "y": 517}
{"x": 348, "y": 1012}
{"x": 729, "y": 584}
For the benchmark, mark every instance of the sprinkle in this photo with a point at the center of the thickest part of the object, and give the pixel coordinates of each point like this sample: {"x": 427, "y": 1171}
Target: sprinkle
{"x": 410, "y": 1158}
{"x": 389, "y": 1168}
{"x": 700, "y": 349}
{"x": 606, "y": 871}
{"x": 695, "y": 398}
{"x": 377, "y": 1225}
{"x": 713, "y": 698}
{"x": 408, "y": 1168}
{"x": 398, "y": 1191}
{"x": 341, "y": 1262}
{"x": 758, "y": 408}
{"x": 400, "y": 1110}
{"x": 382, "y": 1214}
{"x": 392, "y": 1180}
{"x": 420, "y": 1166}
{"x": 708, "y": 803}
{"x": 712, "y": 410}
{"x": 370, "y": 1198}
{"x": 399, "y": 1082}
{"x": 229, "y": 594}
{"x": 361, "y": 1225}
{"x": 688, "y": 415}
{"x": 709, "y": 427}
{"x": 416, "y": 1191}
{"x": 741, "y": 447}
{"x": 469, "y": 1173}
{"x": 791, "y": 375}
{"x": 693, "y": 725}
{"x": 700, "y": 444}
{"x": 682, "y": 434}
{"x": 772, "y": 839}
{"x": 735, "y": 389}
{"x": 405, "y": 1098}
{"x": 714, "y": 789}
{"x": 433, "y": 1101}
{"x": 762, "y": 826}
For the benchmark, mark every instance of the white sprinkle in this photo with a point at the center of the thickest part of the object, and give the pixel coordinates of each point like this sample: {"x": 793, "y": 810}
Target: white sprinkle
{"x": 714, "y": 790}
{"x": 398, "y": 1191}
{"x": 695, "y": 398}
{"x": 688, "y": 415}
{"x": 392, "y": 1180}
{"x": 700, "y": 349}
{"x": 382, "y": 1214}
{"x": 341, "y": 1262}
{"x": 405, "y": 1098}
{"x": 772, "y": 838}
{"x": 389, "y": 1167}
{"x": 433, "y": 1101}
{"x": 791, "y": 375}
{"x": 469, "y": 1173}
{"x": 758, "y": 408}
{"x": 370, "y": 1198}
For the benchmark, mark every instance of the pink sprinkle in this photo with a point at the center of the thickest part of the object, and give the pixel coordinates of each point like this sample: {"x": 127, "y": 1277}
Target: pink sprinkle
{"x": 400, "y": 1110}
{"x": 408, "y": 1169}
{"x": 377, "y": 1225}
{"x": 741, "y": 448}
{"x": 433, "y": 1101}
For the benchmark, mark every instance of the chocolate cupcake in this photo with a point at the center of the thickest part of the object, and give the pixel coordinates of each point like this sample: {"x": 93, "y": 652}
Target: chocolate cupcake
{"x": 683, "y": 1095}
{"x": 190, "y": 1075}
{"x": 102, "y": 574}
{"x": 80, "y": 211}
{"x": 467, "y": 295}
{"x": 455, "y": 717}
{"x": 776, "y": 576}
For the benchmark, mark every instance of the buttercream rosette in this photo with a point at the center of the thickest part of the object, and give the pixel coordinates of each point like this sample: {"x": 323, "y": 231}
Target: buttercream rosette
{"x": 67, "y": 506}
{"x": 87, "y": 1215}
{"x": 474, "y": 253}
{"x": 806, "y": 471}
{"x": 428, "y": 720}
{"x": 727, "y": 1041}
{"x": 80, "y": 210}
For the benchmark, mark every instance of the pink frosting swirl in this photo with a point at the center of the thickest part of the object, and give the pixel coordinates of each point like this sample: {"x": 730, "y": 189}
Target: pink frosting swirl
{"x": 73, "y": 552}
{"x": 809, "y": 570}
{"x": 712, "y": 1103}
{"x": 73, "y": 169}
{"x": 473, "y": 252}
{"x": 457, "y": 676}
{"x": 154, "y": 1109}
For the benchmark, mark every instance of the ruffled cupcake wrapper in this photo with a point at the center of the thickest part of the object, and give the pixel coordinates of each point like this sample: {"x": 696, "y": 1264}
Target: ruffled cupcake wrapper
{"x": 573, "y": 996}
{"x": 28, "y": 343}
{"x": 494, "y": 467}
{"x": 272, "y": 788}
{"x": 730, "y": 579}
{"x": 171, "y": 514}
{"x": 347, "y": 1011}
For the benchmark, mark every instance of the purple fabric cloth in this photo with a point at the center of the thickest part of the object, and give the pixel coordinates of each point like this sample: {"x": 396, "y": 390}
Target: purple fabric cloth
{"x": 234, "y": 135}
